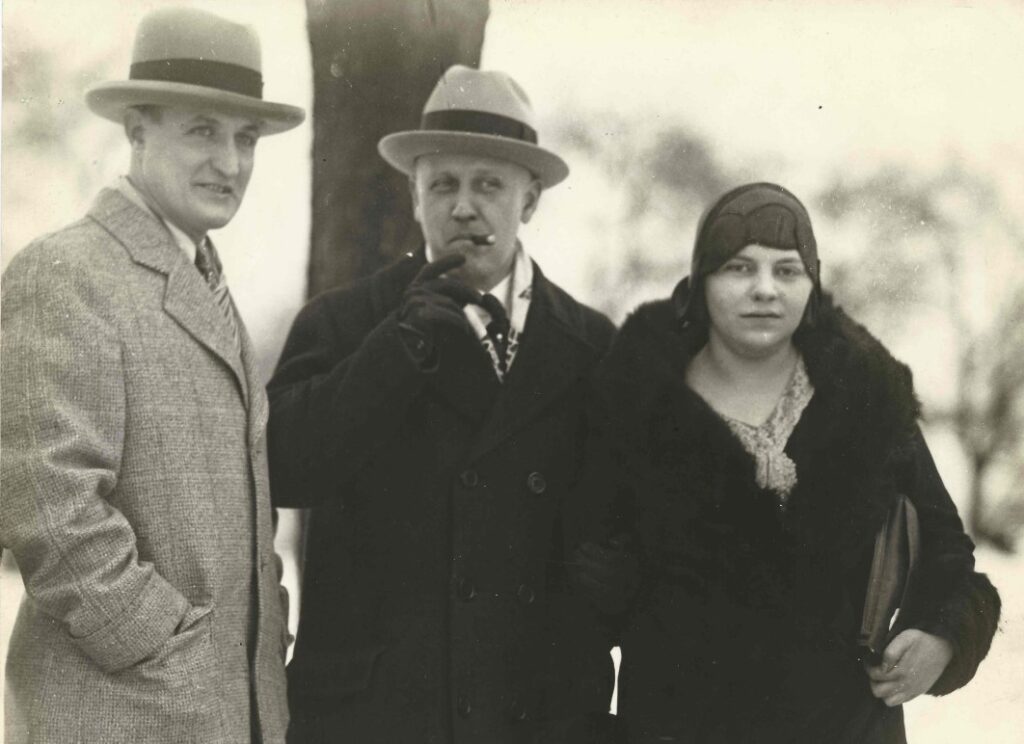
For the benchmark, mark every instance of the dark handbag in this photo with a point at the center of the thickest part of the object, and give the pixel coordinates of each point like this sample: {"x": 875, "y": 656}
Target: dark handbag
{"x": 897, "y": 551}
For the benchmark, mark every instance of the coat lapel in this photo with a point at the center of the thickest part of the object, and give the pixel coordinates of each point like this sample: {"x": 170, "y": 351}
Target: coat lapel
{"x": 259, "y": 409}
{"x": 552, "y": 357}
{"x": 187, "y": 298}
{"x": 467, "y": 382}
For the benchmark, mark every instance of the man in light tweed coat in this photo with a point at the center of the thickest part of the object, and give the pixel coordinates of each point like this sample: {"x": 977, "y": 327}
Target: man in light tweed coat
{"x": 135, "y": 492}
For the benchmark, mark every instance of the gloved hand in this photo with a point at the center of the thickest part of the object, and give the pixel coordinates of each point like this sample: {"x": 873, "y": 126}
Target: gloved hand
{"x": 432, "y": 301}
{"x": 607, "y": 574}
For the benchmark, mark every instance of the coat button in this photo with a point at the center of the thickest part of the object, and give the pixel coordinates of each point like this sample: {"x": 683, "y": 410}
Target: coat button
{"x": 536, "y": 483}
{"x": 517, "y": 711}
{"x": 526, "y": 594}
{"x": 463, "y": 706}
{"x": 469, "y": 478}
{"x": 464, "y": 589}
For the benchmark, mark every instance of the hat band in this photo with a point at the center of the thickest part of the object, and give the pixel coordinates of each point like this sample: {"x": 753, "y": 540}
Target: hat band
{"x": 478, "y": 122}
{"x": 206, "y": 73}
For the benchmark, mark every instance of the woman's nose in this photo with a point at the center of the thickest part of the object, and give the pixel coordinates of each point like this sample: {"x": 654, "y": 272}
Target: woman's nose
{"x": 764, "y": 285}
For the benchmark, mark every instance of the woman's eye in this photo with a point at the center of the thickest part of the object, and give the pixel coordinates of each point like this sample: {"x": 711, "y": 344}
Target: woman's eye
{"x": 202, "y": 131}
{"x": 735, "y": 267}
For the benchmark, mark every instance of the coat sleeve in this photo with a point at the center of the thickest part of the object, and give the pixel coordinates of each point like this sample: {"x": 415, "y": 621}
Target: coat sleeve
{"x": 63, "y": 427}
{"x": 344, "y": 382}
{"x": 950, "y": 599}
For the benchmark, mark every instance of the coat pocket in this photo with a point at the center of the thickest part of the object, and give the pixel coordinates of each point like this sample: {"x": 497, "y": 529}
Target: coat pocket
{"x": 186, "y": 658}
{"x": 322, "y": 680}
{"x": 172, "y": 695}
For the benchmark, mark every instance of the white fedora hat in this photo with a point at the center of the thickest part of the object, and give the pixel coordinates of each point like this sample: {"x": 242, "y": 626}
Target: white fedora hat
{"x": 476, "y": 112}
{"x": 191, "y": 58}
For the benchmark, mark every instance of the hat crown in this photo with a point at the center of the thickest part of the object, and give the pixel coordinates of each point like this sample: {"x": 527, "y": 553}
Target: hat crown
{"x": 490, "y": 91}
{"x": 190, "y": 33}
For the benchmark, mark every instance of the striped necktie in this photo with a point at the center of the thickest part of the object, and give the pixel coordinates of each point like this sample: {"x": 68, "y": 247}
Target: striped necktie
{"x": 208, "y": 263}
{"x": 498, "y": 329}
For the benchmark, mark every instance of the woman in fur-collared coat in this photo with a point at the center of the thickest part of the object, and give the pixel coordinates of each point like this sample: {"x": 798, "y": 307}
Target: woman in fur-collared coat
{"x": 758, "y": 437}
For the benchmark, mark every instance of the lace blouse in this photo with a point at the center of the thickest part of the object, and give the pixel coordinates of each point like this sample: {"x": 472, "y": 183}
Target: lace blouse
{"x": 766, "y": 442}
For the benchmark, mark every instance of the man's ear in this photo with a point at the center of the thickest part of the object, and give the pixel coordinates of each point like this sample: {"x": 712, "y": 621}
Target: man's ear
{"x": 531, "y": 201}
{"x": 417, "y": 211}
{"x": 134, "y": 128}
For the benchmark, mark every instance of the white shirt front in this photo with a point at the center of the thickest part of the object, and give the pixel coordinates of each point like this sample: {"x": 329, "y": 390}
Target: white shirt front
{"x": 514, "y": 292}
{"x": 126, "y": 187}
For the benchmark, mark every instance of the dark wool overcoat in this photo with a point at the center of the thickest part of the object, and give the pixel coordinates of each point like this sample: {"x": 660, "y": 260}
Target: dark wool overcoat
{"x": 434, "y": 605}
{"x": 745, "y": 624}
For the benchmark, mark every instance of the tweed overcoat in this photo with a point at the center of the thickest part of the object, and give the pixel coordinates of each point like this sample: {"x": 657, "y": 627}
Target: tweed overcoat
{"x": 745, "y": 624}
{"x": 135, "y": 497}
{"x": 434, "y": 604}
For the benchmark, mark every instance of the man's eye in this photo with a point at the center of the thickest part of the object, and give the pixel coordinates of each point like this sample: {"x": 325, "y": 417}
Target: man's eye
{"x": 202, "y": 130}
{"x": 442, "y": 185}
{"x": 247, "y": 140}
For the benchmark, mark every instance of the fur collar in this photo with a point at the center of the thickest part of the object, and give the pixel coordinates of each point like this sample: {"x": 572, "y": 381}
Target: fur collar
{"x": 685, "y": 459}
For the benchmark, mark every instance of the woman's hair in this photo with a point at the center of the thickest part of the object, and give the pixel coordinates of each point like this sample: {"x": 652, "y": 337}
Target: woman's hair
{"x": 761, "y": 213}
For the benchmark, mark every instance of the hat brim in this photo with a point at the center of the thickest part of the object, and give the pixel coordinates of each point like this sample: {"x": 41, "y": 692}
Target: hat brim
{"x": 401, "y": 149}
{"x": 110, "y": 100}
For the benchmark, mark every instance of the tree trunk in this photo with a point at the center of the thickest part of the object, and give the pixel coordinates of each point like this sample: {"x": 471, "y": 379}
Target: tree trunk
{"x": 374, "y": 64}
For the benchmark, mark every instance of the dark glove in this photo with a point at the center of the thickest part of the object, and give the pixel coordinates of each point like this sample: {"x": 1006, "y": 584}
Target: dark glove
{"x": 431, "y": 302}
{"x": 608, "y": 574}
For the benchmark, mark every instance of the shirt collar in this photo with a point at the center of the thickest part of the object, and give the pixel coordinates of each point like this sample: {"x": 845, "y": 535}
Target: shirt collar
{"x": 126, "y": 187}
{"x": 514, "y": 292}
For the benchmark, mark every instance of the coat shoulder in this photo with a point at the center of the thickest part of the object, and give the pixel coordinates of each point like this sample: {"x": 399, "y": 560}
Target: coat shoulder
{"x": 360, "y": 306}
{"x": 591, "y": 325}
{"x": 647, "y": 345}
{"x": 845, "y": 358}
{"x": 79, "y": 265}
{"x": 81, "y": 245}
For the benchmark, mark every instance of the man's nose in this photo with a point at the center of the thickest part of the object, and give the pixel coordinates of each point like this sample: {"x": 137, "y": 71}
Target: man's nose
{"x": 463, "y": 208}
{"x": 226, "y": 159}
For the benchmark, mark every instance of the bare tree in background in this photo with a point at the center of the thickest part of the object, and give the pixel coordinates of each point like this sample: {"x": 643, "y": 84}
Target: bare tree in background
{"x": 949, "y": 244}
{"x": 659, "y": 181}
{"x": 374, "y": 64}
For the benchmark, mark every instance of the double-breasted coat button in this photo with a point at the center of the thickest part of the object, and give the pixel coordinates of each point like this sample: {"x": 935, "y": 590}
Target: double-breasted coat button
{"x": 526, "y": 594}
{"x": 517, "y": 711}
{"x": 469, "y": 478}
{"x": 464, "y": 589}
{"x": 536, "y": 483}
{"x": 463, "y": 706}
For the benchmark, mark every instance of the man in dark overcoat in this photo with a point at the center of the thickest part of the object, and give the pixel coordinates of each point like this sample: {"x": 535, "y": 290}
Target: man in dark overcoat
{"x": 431, "y": 416}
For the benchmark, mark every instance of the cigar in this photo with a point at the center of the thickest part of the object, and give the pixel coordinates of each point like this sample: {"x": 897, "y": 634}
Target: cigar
{"x": 483, "y": 239}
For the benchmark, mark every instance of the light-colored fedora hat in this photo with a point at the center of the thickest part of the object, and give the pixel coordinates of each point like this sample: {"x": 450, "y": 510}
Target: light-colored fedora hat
{"x": 476, "y": 112}
{"x": 192, "y": 58}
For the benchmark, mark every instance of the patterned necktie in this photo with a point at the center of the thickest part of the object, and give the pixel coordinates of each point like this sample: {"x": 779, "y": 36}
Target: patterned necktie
{"x": 497, "y": 329}
{"x": 208, "y": 263}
